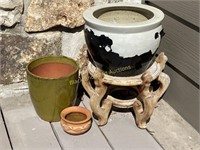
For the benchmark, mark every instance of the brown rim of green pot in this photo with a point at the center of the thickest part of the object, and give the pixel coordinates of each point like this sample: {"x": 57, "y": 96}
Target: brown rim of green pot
{"x": 51, "y": 58}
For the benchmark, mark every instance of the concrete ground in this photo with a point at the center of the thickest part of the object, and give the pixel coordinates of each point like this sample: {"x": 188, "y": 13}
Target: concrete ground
{"x": 171, "y": 130}
{"x": 166, "y": 126}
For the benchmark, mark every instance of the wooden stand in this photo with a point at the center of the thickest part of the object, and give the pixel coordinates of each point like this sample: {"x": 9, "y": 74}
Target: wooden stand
{"x": 143, "y": 105}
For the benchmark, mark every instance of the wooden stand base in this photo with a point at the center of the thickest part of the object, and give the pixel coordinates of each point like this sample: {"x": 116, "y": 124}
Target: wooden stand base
{"x": 143, "y": 105}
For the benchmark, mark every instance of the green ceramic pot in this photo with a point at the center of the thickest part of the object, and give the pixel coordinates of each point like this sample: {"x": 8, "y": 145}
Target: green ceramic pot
{"x": 52, "y": 82}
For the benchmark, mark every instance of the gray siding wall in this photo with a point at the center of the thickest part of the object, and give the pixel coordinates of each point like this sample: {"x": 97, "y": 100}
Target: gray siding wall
{"x": 181, "y": 45}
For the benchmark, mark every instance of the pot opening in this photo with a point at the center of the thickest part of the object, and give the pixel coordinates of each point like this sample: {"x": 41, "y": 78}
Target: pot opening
{"x": 75, "y": 116}
{"x": 53, "y": 70}
{"x": 123, "y": 15}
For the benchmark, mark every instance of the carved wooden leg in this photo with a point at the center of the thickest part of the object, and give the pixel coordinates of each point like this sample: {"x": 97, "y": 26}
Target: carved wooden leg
{"x": 83, "y": 63}
{"x": 145, "y": 106}
{"x": 164, "y": 80}
{"x": 96, "y": 95}
{"x": 143, "y": 111}
{"x": 86, "y": 81}
{"x": 101, "y": 112}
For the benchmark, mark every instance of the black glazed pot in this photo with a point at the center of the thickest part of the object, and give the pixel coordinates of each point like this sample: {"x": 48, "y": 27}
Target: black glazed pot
{"x": 123, "y": 38}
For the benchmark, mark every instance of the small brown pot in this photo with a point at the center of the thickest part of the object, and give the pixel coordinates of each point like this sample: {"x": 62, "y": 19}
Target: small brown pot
{"x": 75, "y": 120}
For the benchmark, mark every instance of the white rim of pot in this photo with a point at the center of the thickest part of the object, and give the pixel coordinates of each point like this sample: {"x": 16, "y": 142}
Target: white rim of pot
{"x": 151, "y": 23}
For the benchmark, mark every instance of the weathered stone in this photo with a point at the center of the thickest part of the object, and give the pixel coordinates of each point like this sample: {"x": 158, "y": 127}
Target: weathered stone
{"x": 99, "y": 2}
{"x": 10, "y": 12}
{"x": 10, "y": 4}
{"x": 16, "y": 51}
{"x": 115, "y": 1}
{"x": 72, "y": 43}
{"x": 44, "y": 14}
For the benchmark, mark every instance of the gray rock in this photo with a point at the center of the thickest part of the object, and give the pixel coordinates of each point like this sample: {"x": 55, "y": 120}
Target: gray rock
{"x": 10, "y": 12}
{"x": 99, "y": 2}
{"x": 10, "y": 4}
{"x": 72, "y": 43}
{"x": 115, "y": 1}
{"x": 16, "y": 51}
{"x": 44, "y": 14}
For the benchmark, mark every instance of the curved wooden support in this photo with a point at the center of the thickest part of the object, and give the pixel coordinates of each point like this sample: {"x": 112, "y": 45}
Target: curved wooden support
{"x": 86, "y": 82}
{"x": 148, "y": 99}
{"x": 101, "y": 112}
{"x": 143, "y": 105}
{"x": 121, "y": 103}
{"x": 161, "y": 59}
{"x": 96, "y": 95}
{"x": 164, "y": 80}
{"x": 83, "y": 63}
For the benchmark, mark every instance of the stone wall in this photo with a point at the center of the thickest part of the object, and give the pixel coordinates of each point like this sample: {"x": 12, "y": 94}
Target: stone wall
{"x": 34, "y": 28}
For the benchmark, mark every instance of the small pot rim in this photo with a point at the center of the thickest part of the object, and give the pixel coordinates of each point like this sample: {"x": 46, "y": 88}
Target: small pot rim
{"x": 51, "y": 57}
{"x": 151, "y": 23}
{"x": 71, "y": 109}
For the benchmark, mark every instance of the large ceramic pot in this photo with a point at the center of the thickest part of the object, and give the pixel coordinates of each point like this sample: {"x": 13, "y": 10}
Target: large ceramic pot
{"x": 123, "y": 38}
{"x": 52, "y": 82}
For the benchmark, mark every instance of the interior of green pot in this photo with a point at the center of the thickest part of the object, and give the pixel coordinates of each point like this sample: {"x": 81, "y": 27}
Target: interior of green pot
{"x": 52, "y": 59}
